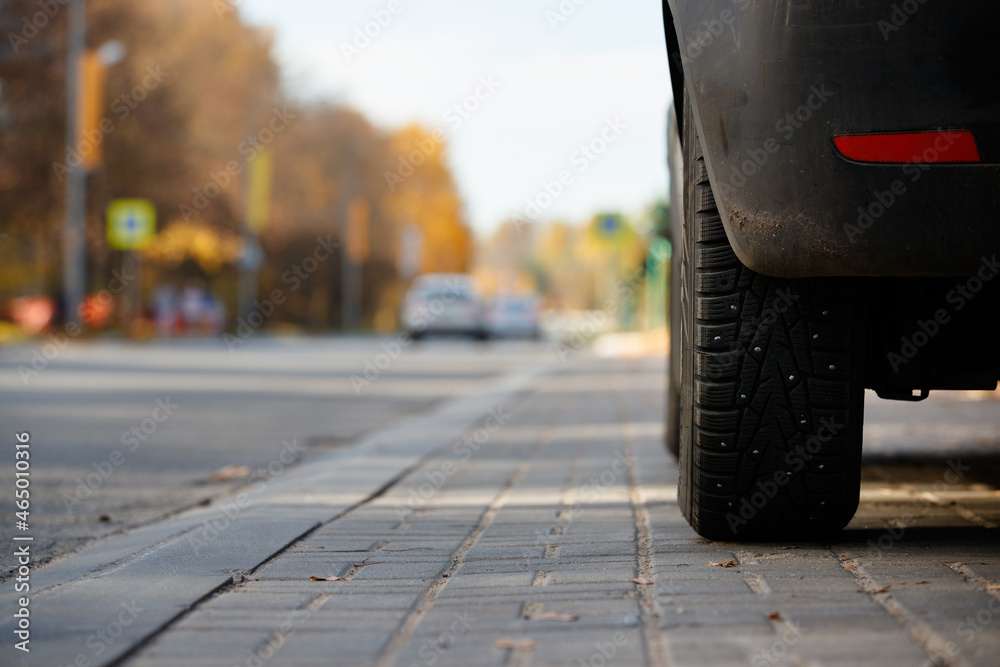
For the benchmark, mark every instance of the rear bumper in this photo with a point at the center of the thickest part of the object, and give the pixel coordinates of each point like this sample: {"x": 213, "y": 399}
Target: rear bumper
{"x": 772, "y": 85}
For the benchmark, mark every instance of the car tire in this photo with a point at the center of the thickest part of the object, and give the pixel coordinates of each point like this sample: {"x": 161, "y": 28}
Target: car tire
{"x": 673, "y": 426}
{"x": 771, "y": 386}
{"x": 675, "y": 163}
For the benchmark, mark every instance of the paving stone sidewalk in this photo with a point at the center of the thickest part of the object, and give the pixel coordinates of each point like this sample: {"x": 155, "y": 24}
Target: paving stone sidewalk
{"x": 550, "y": 535}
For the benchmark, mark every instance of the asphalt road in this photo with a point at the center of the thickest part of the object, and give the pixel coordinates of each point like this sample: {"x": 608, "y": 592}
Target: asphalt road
{"x": 179, "y": 412}
{"x": 475, "y": 504}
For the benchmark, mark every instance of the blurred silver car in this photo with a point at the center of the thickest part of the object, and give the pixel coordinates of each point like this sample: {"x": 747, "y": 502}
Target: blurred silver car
{"x": 510, "y": 317}
{"x": 443, "y": 303}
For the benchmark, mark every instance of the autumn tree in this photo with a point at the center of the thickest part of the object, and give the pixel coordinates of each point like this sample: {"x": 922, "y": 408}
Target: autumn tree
{"x": 423, "y": 193}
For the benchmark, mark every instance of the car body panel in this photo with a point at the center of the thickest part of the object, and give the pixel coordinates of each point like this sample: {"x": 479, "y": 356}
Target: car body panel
{"x": 771, "y": 84}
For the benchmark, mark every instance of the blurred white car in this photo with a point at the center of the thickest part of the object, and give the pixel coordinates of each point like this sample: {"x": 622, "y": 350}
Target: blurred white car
{"x": 514, "y": 317}
{"x": 443, "y": 303}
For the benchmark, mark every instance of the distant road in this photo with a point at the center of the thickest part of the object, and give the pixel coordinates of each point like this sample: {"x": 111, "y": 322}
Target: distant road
{"x": 126, "y": 433}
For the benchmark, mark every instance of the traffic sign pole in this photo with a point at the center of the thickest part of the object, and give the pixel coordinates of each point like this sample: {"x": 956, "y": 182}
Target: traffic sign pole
{"x": 131, "y": 226}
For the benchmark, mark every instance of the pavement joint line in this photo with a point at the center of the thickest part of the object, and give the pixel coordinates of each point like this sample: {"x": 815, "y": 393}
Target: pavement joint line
{"x": 649, "y": 605}
{"x": 952, "y": 506}
{"x": 524, "y": 383}
{"x": 989, "y": 587}
{"x": 925, "y": 636}
{"x": 357, "y": 567}
{"x": 514, "y": 387}
{"x": 190, "y": 608}
{"x": 758, "y": 585}
{"x": 277, "y": 639}
{"x": 166, "y": 624}
{"x": 225, "y": 587}
{"x": 402, "y": 634}
{"x": 404, "y": 631}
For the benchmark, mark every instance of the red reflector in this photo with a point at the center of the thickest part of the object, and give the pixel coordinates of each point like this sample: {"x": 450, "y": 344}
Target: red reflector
{"x": 948, "y": 146}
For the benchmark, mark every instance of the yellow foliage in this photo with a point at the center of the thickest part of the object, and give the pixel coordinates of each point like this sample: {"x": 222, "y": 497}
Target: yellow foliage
{"x": 428, "y": 198}
{"x": 183, "y": 240}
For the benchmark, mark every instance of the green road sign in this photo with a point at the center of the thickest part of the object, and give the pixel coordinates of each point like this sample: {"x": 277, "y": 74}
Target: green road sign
{"x": 131, "y": 223}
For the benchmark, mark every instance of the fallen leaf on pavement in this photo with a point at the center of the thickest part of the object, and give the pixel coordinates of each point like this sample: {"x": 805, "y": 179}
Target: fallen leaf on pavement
{"x": 315, "y": 578}
{"x": 913, "y": 583}
{"x": 516, "y": 644}
{"x": 774, "y": 616}
{"x": 724, "y": 563}
{"x": 554, "y": 616}
{"x": 884, "y": 588}
{"x": 642, "y": 581}
{"x": 228, "y": 472}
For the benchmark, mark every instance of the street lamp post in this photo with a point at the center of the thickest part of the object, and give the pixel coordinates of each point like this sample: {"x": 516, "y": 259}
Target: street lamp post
{"x": 74, "y": 270}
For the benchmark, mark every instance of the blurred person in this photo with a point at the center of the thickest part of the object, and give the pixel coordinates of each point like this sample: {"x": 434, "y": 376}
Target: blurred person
{"x": 166, "y": 310}
{"x": 193, "y": 306}
{"x": 215, "y": 314}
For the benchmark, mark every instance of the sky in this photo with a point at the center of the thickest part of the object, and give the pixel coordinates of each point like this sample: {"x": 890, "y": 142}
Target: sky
{"x": 553, "y": 77}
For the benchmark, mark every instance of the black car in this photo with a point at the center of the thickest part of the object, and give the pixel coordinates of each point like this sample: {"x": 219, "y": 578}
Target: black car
{"x": 839, "y": 168}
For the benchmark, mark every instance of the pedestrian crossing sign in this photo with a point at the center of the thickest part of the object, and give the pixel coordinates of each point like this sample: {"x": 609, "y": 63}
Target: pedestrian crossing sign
{"x": 131, "y": 223}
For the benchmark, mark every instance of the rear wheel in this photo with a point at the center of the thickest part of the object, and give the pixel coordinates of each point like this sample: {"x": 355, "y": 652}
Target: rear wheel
{"x": 771, "y": 387}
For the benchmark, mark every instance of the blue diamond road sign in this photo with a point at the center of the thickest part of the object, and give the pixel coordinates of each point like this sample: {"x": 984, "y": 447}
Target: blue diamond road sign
{"x": 131, "y": 223}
